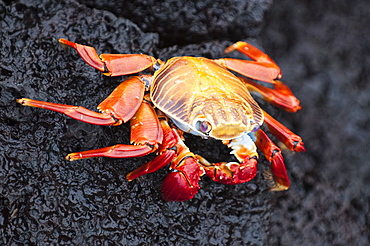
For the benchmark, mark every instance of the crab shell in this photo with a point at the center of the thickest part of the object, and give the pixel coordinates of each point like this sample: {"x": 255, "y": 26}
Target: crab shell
{"x": 192, "y": 91}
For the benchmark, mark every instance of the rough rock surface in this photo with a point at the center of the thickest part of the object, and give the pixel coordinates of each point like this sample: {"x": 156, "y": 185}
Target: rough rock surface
{"x": 45, "y": 200}
{"x": 187, "y": 22}
{"x": 323, "y": 48}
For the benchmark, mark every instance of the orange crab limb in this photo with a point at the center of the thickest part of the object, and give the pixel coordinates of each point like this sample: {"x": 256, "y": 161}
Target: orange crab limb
{"x": 182, "y": 184}
{"x": 262, "y": 68}
{"x": 125, "y": 100}
{"x": 75, "y": 112}
{"x": 120, "y": 105}
{"x": 230, "y": 173}
{"x": 145, "y": 127}
{"x": 281, "y": 96}
{"x": 112, "y": 64}
{"x": 252, "y": 52}
{"x": 290, "y": 139}
{"x": 154, "y": 165}
{"x": 260, "y": 71}
{"x": 273, "y": 155}
{"x": 165, "y": 150}
{"x": 115, "y": 151}
{"x": 146, "y": 134}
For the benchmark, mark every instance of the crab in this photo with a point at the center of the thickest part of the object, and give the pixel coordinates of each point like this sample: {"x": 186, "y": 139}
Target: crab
{"x": 204, "y": 97}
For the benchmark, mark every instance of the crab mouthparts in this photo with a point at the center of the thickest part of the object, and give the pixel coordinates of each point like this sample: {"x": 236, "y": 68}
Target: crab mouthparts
{"x": 228, "y": 131}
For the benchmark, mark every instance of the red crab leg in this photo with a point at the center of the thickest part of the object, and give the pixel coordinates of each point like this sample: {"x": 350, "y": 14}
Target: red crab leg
{"x": 262, "y": 68}
{"x": 112, "y": 64}
{"x": 230, "y": 173}
{"x": 182, "y": 184}
{"x": 154, "y": 165}
{"x": 75, "y": 112}
{"x": 291, "y": 140}
{"x": 165, "y": 150}
{"x": 281, "y": 96}
{"x": 273, "y": 155}
{"x": 125, "y": 100}
{"x": 146, "y": 134}
{"x": 120, "y": 105}
{"x": 115, "y": 151}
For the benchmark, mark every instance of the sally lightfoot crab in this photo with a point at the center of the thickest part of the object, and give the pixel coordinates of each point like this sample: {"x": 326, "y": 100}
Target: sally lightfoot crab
{"x": 195, "y": 95}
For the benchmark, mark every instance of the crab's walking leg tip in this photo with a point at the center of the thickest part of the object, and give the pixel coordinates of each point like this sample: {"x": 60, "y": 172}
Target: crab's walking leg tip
{"x": 233, "y": 47}
{"x": 22, "y": 101}
{"x": 66, "y": 42}
{"x": 279, "y": 188}
{"x": 299, "y": 147}
{"x": 26, "y": 102}
{"x": 71, "y": 157}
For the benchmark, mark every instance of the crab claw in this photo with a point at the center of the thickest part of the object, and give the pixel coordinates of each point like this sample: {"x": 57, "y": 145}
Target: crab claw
{"x": 183, "y": 183}
{"x": 280, "y": 174}
{"x": 273, "y": 155}
{"x": 231, "y": 172}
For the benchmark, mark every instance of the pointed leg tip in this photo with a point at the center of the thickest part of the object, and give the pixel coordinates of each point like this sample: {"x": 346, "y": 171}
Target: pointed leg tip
{"x": 71, "y": 157}
{"x": 236, "y": 46}
{"x": 24, "y": 101}
{"x": 299, "y": 147}
{"x": 67, "y": 42}
{"x": 20, "y": 100}
{"x": 279, "y": 187}
{"x": 64, "y": 41}
{"x": 302, "y": 149}
{"x": 130, "y": 177}
{"x": 231, "y": 48}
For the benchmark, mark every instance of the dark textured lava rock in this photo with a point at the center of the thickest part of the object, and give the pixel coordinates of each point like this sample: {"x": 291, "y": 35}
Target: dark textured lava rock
{"x": 186, "y": 22}
{"x": 324, "y": 51}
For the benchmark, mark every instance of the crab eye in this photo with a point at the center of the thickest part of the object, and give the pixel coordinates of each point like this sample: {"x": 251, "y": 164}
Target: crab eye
{"x": 256, "y": 127}
{"x": 203, "y": 126}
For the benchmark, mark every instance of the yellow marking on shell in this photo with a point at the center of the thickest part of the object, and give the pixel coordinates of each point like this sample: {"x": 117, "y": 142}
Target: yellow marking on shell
{"x": 191, "y": 88}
